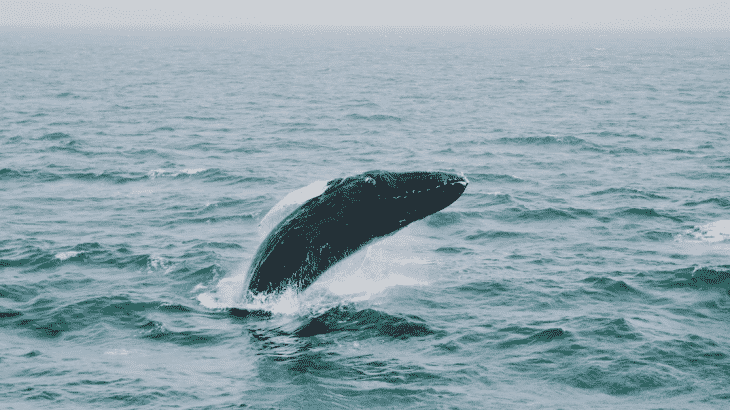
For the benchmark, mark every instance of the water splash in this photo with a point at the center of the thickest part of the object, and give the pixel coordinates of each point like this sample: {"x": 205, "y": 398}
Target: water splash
{"x": 373, "y": 270}
{"x": 288, "y": 204}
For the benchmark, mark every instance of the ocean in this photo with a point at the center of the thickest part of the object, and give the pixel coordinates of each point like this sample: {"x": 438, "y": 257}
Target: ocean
{"x": 585, "y": 266}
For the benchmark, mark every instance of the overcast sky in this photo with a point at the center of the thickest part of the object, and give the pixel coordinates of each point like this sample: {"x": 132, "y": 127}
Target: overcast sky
{"x": 696, "y": 15}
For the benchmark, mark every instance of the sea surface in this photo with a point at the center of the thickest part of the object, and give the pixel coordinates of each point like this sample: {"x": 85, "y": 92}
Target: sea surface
{"x": 586, "y": 265}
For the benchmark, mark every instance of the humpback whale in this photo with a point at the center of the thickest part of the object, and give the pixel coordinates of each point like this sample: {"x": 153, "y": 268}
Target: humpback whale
{"x": 351, "y": 212}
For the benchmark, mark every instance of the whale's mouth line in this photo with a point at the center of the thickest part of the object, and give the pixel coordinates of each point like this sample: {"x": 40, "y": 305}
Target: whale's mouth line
{"x": 463, "y": 183}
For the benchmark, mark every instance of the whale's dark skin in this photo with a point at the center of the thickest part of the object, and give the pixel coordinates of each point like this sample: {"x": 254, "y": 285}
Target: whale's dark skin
{"x": 350, "y": 213}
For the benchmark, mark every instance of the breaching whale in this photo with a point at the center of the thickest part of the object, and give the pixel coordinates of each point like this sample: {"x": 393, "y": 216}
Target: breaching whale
{"x": 351, "y": 212}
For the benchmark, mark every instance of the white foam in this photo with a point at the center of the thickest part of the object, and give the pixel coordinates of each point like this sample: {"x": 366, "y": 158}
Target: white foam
{"x": 158, "y": 263}
{"x": 228, "y": 292}
{"x": 173, "y": 173}
{"x": 231, "y": 292}
{"x": 117, "y": 352}
{"x": 380, "y": 266}
{"x": 713, "y": 237}
{"x": 717, "y": 231}
{"x": 65, "y": 255}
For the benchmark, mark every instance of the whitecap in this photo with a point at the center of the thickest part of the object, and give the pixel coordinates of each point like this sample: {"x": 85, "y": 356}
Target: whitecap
{"x": 713, "y": 237}
{"x": 173, "y": 173}
{"x": 117, "y": 352}
{"x": 717, "y": 231}
{"x": 65, "y": 255}
{"x": 158, "y": 263}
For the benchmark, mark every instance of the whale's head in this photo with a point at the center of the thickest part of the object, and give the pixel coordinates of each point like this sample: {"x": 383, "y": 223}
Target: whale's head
{"x": 350, "y": 213}
{"x": 387, "y": 201}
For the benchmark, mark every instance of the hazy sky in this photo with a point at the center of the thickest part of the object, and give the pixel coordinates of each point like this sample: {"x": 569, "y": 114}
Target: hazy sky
{"x": 649, "y": 15}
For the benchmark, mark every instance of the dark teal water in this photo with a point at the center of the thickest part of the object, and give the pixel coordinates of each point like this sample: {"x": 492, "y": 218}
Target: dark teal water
{"x": 586, "y": 265}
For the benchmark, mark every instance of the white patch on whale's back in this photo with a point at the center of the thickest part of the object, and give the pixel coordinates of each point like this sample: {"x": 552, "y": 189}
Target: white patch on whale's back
{"x": 290, "y": 202}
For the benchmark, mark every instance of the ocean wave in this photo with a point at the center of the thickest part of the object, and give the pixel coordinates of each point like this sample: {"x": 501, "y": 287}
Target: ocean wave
{"x": 612, "y": 328}
{"x": 71, "y": 148}
{"x": 548, "y": 140}
{"x": 144, "y": 153}
{"x": 697, "y": 277}
{"x": 46, "y": 320}
{"x": 33, "y": 258}
{"x": 206, "y": 174}
{"x": 174, "y": 173}
{"x": 360, "y": 103}
{"x": 293, "y": 130}
{"x": 614, "y": 380}
{"x": 614, "y": 287}
{"x": 188, "y": 117}
{"x": 211, "y": 219}
{"x": 686, "y": 353}
{"x": 30, "y": 175}
{"x": 105, "y": 176}
{"x": 622, "y": 150}
{"x": 452, "y": 250}
{"x": 495, "y": 235}
{"x": 9, "y": 313}
{"x": 717, "y": 201}
{"x": 239, "y": 206}
{"x": 7, "y": 174}
{"x": 218, "y": 245}
{"x": 546, "y": 335}
{"x": 618, "y": 134}
{"x": 486, "y": 288}
{"x": 54, "y": 136}
{"x": 476, "y": 177}
{"x": 201, "y": 146}
{"x": 443, "y": 218}
{"x": 376, "y": 117}
{"x": 645, "y": 213}
{"x": 113, "y": 177}
{"x": 659, "y": 236}
{"x": 156, "y": 330}
{"x": 694, "y": 175}
{"x": 18, "y": 293}
{"x": 627, "y": 193}
{"x": 364, "y": 324}
{"x": 718, "y": 231}
{"x": 300, "y": 144}
{"x": 205, "y": 274}
{"x": 537, "y": 215}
